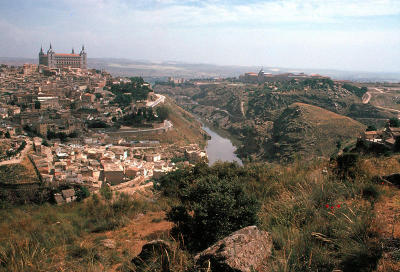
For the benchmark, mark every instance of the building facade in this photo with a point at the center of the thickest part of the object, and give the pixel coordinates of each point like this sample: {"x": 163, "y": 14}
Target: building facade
{"x": 53, "y": 60}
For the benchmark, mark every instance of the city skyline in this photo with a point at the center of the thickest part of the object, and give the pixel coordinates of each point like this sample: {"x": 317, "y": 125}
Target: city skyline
{"x": 344, "y": 35}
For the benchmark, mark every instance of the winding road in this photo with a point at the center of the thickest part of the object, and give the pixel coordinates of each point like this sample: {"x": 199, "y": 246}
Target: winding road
{"x": 368, "y": 95}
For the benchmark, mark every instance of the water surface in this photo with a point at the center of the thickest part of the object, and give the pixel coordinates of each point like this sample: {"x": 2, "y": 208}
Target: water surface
{"x": 220, "y": 148}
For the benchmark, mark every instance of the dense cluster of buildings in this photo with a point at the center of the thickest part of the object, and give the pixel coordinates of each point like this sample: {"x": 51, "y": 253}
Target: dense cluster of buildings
{"x": 51, "y": 104}
{"x": 93, "y": 165}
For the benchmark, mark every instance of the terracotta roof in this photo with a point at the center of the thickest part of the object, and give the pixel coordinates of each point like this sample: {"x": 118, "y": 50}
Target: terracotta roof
{"x": 68, "y": 193}
{"x": 68, "y": 55}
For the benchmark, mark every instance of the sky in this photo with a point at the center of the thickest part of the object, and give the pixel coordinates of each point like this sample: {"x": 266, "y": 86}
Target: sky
{"x": 360, "y": 35}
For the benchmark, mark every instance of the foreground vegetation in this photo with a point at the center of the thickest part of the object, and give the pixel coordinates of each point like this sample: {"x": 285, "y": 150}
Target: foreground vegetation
{"x": 320, "y": 220}
{"x": 55, "y": 238}
{"x": 321, "y": 216}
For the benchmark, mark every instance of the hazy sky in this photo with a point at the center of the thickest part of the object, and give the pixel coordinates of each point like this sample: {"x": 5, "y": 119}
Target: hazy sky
{"x": 339, "y": 34}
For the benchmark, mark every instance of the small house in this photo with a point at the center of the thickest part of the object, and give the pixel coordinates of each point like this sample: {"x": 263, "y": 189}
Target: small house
{"x": 68, "y": 195}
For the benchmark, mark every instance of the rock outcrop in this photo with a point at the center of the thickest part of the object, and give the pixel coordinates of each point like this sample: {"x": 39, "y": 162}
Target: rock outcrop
{"x": 244, "y": 250}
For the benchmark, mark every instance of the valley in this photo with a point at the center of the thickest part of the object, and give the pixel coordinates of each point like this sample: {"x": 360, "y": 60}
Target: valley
{"x": 254, "y": 115}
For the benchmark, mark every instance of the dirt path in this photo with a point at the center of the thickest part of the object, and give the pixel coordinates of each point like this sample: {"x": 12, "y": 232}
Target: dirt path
{"x": 139, "y": 231}
{"x": 368, "y": 95}
{"x": 366, "y": 98}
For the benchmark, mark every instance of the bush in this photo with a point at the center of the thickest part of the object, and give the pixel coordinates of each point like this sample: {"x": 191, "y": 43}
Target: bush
{"x": 212, "y": 206}
{"x": 394, "y": 122}
{"x": 106, "y": 192}
{"x": 82, "y": 193}
{"x": 345, "y": 164}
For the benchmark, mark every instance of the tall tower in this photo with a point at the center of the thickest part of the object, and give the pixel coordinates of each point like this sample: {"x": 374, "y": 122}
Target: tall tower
{"x": 51, "y": 58}
{"x": 83, "y": 58}
{"x": 41, "y": 56}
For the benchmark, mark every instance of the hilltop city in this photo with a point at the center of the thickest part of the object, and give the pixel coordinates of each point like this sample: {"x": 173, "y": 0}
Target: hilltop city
{"x": 82, "y": 126}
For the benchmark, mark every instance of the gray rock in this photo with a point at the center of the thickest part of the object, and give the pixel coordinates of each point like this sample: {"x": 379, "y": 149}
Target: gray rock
{"x": 244, "y": 250}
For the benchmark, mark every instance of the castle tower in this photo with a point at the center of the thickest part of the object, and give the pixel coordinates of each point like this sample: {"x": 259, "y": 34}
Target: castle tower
{"x": 83, "y": 58}
{"x": 51, "y": 60}
{"x": 42, "y": 57}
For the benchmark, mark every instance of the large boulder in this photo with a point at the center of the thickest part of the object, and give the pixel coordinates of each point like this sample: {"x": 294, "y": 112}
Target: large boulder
{"x": 244, "y": 250}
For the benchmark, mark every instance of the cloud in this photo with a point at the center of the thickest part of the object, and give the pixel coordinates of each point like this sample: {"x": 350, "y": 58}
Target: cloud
{"x": 300, "y": 33}
{"x": 199, "y": 13}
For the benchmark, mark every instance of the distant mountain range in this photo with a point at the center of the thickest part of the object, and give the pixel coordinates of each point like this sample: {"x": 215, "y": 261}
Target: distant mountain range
{"x": 153, "y": 71}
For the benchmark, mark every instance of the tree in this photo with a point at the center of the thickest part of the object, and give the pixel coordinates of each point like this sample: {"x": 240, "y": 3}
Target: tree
{"x": 163, "y": 113}
{"x": 37, "y": 105}
{"x": 7, "y": 135}
{"x": 371, "y": 128}
{"x": 394, "y": 122}
{"x": 82, "y": 193}
{"x": 98, "y": 96}
{"x": 212, "y": 208}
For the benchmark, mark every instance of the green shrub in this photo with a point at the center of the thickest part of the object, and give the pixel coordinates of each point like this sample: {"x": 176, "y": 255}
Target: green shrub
{"x": 212, "y": 206}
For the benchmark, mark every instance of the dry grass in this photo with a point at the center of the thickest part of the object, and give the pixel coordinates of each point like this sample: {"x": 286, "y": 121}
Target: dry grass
{"x": 68, "y": 238}
{"x": 23, "y": 172}
{"x": 308, "y": 131}
{"x": 318, "y": 221}
{"x": 5, "y": 144}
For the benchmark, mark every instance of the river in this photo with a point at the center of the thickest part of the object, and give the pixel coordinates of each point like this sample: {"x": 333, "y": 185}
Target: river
{"x": 220, "y": 149}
